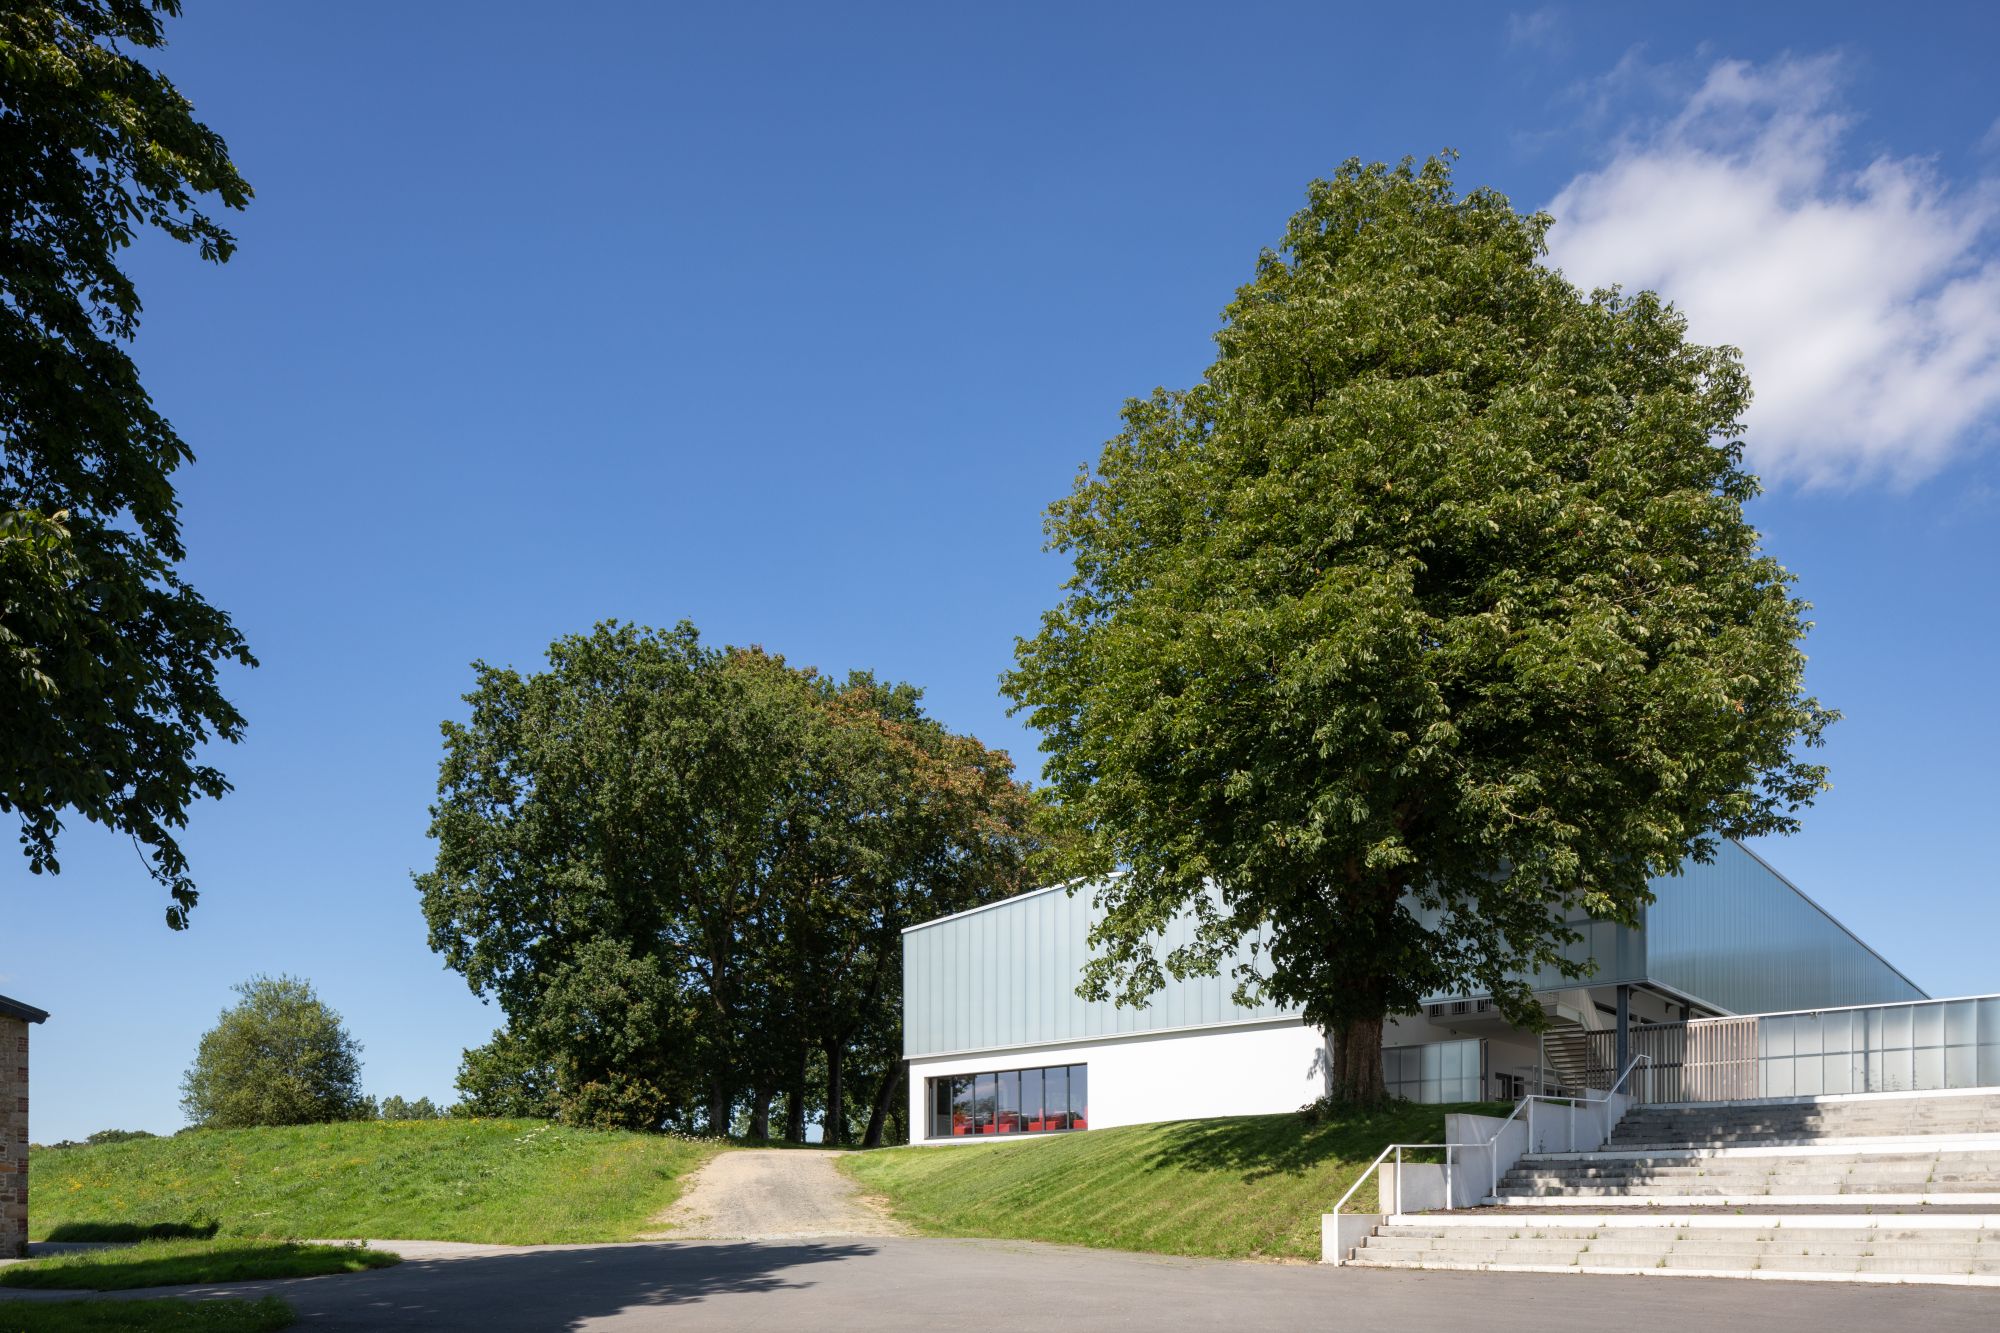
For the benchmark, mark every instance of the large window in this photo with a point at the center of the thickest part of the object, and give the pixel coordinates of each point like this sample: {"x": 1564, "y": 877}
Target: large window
{"x": 1438, "y": 1071}
{"x": 1010, "y": 1101}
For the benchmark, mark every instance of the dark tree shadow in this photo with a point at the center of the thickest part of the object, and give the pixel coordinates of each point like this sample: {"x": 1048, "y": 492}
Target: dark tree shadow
{"x": 116, "y": 1231}
{"x": 1260, "y": 1147}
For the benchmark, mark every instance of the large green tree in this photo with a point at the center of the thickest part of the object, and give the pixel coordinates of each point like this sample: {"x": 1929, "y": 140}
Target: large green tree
{"x": 108, "y": 659}
{"x": 682, "y": 872}
{"x": 279, "y": 1056}
{"x": 1430, "y": 617}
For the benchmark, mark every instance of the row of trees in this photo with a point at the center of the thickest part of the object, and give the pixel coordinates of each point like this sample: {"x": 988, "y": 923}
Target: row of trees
{"x": 683, "y": 873}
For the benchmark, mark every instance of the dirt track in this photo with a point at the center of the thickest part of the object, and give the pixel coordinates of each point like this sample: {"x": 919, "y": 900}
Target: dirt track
{"x": 772, "y": 1194}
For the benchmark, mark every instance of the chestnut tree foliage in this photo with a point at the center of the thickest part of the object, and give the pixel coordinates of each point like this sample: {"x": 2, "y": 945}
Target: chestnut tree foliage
{"x": 1430, "y": 616}
{"x": 108, "y": 659}
{"x": 683, "y": 873}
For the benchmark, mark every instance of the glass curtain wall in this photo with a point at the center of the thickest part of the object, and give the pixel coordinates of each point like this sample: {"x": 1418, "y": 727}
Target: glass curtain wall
{"x": 1010, "y": 1101}
{"x": 1918, "y": 1047}
{"x": 1438, "y": 1071}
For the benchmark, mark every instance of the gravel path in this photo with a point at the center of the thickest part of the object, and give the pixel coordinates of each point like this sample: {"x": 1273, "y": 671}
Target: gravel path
{"x": 773, "y": 1194}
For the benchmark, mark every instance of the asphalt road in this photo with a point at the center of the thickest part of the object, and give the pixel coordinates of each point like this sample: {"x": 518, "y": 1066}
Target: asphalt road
{"x": 894, "y": 1282}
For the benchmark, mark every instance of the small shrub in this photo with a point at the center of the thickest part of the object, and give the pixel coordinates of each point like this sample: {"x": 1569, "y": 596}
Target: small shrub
{"x": 279, "y": 1057}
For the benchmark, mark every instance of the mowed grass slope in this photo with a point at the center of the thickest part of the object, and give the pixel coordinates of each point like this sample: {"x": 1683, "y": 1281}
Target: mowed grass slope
{"x": 499, "y": 1181}
{"x": 1239, "y": 1187}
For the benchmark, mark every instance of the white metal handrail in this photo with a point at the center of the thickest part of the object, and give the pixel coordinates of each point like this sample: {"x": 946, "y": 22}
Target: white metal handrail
{"x": 1492, "y": 1147}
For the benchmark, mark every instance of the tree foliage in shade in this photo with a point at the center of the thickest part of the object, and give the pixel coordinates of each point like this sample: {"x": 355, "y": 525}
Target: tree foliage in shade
{"x": 1428, "y": 620}
{"x": 683, "y": 873}
{"x": 108, "y": 660}
{"x": 279, "y": 1056}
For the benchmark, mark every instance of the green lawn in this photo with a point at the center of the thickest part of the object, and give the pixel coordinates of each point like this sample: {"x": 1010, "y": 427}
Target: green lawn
{"x": 1240, "y": 1187}
{"x": 511, "y": 1182}
{"x": 164, "y": 1263}
{"x": 145, "y": 1316}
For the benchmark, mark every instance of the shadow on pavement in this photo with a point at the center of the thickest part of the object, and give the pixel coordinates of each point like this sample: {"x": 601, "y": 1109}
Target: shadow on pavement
{"x": 556, "y": 1289}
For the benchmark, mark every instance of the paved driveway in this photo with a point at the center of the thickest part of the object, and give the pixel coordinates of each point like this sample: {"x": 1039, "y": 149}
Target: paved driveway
{"x": 892, "y": 1282}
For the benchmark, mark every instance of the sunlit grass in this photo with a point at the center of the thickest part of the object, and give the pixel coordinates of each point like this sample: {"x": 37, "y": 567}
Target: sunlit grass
{"x": 495, "y": 1181}
{"x": 1236, "y": 1187}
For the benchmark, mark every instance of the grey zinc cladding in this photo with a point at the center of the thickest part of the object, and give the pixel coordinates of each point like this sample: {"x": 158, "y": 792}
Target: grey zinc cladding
{"x": 27, "y": 1013}
{"x": 1739, "y": 936}
{"x": 1005, "y": 975}
{"x": 1733, "y": 935}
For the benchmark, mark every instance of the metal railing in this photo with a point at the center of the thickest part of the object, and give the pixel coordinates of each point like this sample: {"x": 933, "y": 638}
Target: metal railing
{"x": 1491, "y": 1147}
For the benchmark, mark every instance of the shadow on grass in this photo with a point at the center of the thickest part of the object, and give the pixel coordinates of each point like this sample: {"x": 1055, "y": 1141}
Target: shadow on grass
{"x": 160, "y": 1316}
{"x": 1260, "y": 1147}
{"x": 165, "y": 1263}
{"x": 89, "y": 1231}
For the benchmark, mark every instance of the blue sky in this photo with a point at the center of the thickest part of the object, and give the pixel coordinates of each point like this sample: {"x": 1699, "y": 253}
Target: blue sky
{"x": 790, "y": 322}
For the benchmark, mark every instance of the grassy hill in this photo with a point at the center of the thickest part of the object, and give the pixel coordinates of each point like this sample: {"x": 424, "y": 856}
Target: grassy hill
{"x": 1240, "y": 1187}
{"x": 498, "y": 1181}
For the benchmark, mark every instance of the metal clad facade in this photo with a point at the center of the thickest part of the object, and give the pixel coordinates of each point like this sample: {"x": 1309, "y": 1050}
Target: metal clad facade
{"x": 1736, "y": 935}
{"x": 1733, "y": 934}
{"x": 1006, "y": 976}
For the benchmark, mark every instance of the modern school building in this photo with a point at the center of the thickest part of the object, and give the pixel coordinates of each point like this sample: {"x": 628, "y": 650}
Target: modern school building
{"x": 999, "y": 1043}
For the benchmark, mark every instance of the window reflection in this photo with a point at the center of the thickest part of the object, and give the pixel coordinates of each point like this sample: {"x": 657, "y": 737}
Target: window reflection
{"x": 1010, "y": 1101}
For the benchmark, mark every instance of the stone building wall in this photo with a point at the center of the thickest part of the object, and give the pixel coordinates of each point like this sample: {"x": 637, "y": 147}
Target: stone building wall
{"x": 13, "y": 1137}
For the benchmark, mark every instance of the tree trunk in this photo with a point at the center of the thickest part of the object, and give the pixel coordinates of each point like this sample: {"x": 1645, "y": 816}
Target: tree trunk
{"x": 795, "y": 1102}
{"x": 760, "y": 1113}
{"x": 1357, "y": 1062}
{"x": 835, "y": 1130}
{"x": 885, "y": 1097}
{"x": 719, "y": 1102}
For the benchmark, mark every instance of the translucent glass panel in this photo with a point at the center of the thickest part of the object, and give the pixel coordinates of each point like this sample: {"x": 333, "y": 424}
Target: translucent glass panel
{"x": 1438, "y": 1071}
{"x": 1010, "y": 1101}
{"x": 1895, "y": 1048}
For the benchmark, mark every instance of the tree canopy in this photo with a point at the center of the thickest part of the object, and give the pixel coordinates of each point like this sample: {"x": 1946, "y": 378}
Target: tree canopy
{"x": 279, "y": 1056}
{"x": 1430, "y": 618}
{"x": 108, "y": 659}
{"x": 683, "y": 873}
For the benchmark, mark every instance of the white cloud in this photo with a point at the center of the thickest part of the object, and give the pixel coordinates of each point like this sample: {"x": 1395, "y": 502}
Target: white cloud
{"x": 1866, "y": 301}
{"x": 1538, "y": 29}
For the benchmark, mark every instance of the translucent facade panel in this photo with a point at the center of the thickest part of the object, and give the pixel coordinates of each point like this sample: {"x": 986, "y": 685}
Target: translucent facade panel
{"x": 1438, "y": 1071}
{"x": 1007, "y": 975}
{"x": 1733, "y": 935}
{"x": 1736, "y": 935}
{"x": 1919, "y": 1047}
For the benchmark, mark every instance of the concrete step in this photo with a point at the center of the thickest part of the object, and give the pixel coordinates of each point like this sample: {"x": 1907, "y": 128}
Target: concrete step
{"x": 1888, "y": 1252}
{"x": 1888, "y": 1268}
{"x": 1776, "y": 1188}
{"x": 1701, "y": 1243}
{"x": 1691, "y": 1234}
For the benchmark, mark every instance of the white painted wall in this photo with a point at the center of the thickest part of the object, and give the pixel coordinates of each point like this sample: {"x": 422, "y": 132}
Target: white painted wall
{"x": 1253, "y": 1069}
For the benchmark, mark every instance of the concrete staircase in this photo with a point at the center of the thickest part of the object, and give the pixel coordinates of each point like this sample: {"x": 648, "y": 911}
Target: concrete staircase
{"x": 1800, "y": 1247}
{"x": 1880, "y": 1188}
